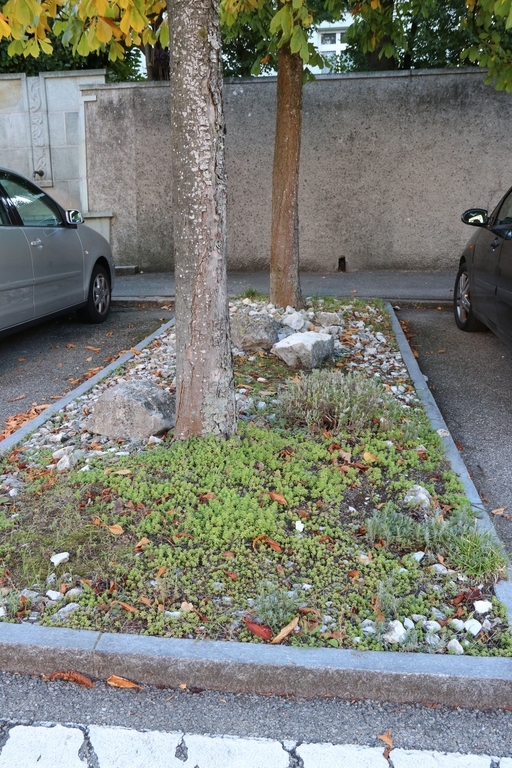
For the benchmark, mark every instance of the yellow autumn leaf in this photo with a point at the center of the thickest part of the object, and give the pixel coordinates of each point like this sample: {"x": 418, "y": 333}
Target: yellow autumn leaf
{"x": 103, "y": 31}
{"x": 5, "y": 29}
{"x": 369, "y": 457}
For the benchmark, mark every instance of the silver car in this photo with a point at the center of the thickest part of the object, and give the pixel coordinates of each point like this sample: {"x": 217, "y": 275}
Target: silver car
{"x": 49, "y": 261}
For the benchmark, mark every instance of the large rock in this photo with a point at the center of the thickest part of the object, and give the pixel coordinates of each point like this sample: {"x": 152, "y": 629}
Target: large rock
{"x": 256, "y": 331}
{"x": 304, "y": 350}
{"x": 133, "y": 409}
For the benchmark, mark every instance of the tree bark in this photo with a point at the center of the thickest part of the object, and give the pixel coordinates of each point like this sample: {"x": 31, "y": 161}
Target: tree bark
{"x": 205, "y": 394}
{"x": 284, "y": 247}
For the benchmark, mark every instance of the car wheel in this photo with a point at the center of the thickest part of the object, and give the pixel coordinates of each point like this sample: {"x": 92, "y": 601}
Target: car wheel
{"x": 464, "y": 317}
{"x": 98, "y": 301}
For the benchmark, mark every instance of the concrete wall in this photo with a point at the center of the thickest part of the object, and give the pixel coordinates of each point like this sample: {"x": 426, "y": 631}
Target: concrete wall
{"x": 389, "y": 162}
{"x": 128, "y": 169}
{"x": 41, "y": 129}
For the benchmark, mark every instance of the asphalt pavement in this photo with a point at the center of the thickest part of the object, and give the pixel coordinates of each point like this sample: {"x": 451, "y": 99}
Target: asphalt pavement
{"x": 384, "y": 284}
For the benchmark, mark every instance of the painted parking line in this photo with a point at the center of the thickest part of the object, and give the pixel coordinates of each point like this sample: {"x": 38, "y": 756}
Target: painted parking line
{"x": 51, "y": 746}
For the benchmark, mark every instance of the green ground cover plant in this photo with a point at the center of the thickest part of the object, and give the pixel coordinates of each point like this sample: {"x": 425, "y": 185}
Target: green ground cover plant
{"x": 297, "y": 529}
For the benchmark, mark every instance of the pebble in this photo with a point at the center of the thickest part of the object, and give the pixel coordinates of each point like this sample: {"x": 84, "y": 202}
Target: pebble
{"x": 482, "y": 606}
{"x": 472, "y": 626}
{"x": 395, "y": 632}
{"x": 455, "y": 647}
{"x": 368, "y": 351}
{"x": 431, "y": 626}
{"x": 58, "y": 559}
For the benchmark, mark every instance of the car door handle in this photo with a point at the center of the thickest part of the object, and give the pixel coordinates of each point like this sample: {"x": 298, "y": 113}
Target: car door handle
{"x": 36, "y": 243}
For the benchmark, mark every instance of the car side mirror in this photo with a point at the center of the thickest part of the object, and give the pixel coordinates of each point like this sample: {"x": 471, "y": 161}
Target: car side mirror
{"x": 476, "y": 217}
{"x": 74, "y": 217}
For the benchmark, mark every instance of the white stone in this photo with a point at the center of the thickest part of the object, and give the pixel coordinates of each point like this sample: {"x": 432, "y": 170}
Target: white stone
{"x": 3, "y": 612}
{"x": 67, "y": 462}
{"x": 439, "y": 568}
{"x": 472, "y": 626}
{"x": 415, "y": 758}
{"x": 455, "y": 647}
{"x": 327, "y": 319}
{"x": 304, "y": 350}
{"x": 253, "y": 331}
{"x": 38, "y": 747}
{"x": 457, "y": 624}
{"x": 408, "y": 623}
{"x": 341, "y": 756}
{"x": 295, "y": 321}
{"x": 482, "y": 606}
{"x": 418, "y": 497}
{"x": 395, "y": 632}
{"x": 61, "y": 557}
{"x": 133, "y": 409}
{"x": 418, "y": 556}
{"x": 62, "y": 452}
{"x": 432, "y": 626}
{"x": 65, "y": 611}
{"x": 299, "y": 526}
{"x": 54, "y": 595}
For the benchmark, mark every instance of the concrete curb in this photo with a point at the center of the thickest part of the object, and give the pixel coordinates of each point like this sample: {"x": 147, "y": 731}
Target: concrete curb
{"x": 10, "y": 442}
{"x": 455, "y": 681}
{"x": 244, "y": 668}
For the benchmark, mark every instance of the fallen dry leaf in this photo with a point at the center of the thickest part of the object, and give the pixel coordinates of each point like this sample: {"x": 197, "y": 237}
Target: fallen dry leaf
{"x": 369, "y": 457}
{"x": 71, "y": 677}
{"x": 122, "y": 682}
{"x": 126, "y": 606}
{"x": 116, "y": 529}
{"x": 161, "y": 571}
{"x": 260, "y": 630}
{"x": 13, "y": 423}
{"x": 386, "y": 738}
{"x": 285, "y": 631}
{"x": 14, "y": 399}
{"x": 134, "y": 351}
{"x": 142, "y": 543}
{"x": 123, "y": 472}
{"x": 499, "y": 511}
{"x": 278, "y": 497}
{"x": 144, "y": 600}
{"x": 93, "y": 349}
{"x": 266, "y": 540}
{"x": 186, "y": 607}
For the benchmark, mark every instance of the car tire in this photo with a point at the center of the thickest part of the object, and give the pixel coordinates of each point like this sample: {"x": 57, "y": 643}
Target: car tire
{"x": 462, "y": 309}
{"x": 98, "y": 300}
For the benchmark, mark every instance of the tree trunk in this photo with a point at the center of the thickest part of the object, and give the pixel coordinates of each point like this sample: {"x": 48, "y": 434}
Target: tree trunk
{"x": 205, "y": 394}
{"x": 284, "y": 247}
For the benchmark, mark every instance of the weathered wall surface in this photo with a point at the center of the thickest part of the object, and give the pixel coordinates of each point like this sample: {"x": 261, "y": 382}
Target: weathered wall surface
{"x": 389, "y": 162}
{"x": 128, "y": 169}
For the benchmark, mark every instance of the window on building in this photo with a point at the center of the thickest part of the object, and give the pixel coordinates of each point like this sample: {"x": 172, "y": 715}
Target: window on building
{"x": 328, "y": 38}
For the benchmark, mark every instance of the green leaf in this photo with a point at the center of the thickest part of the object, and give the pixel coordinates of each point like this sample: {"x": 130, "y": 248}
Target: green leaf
{"x": 297, "y": 39}
{"x": 83, "y": 46}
